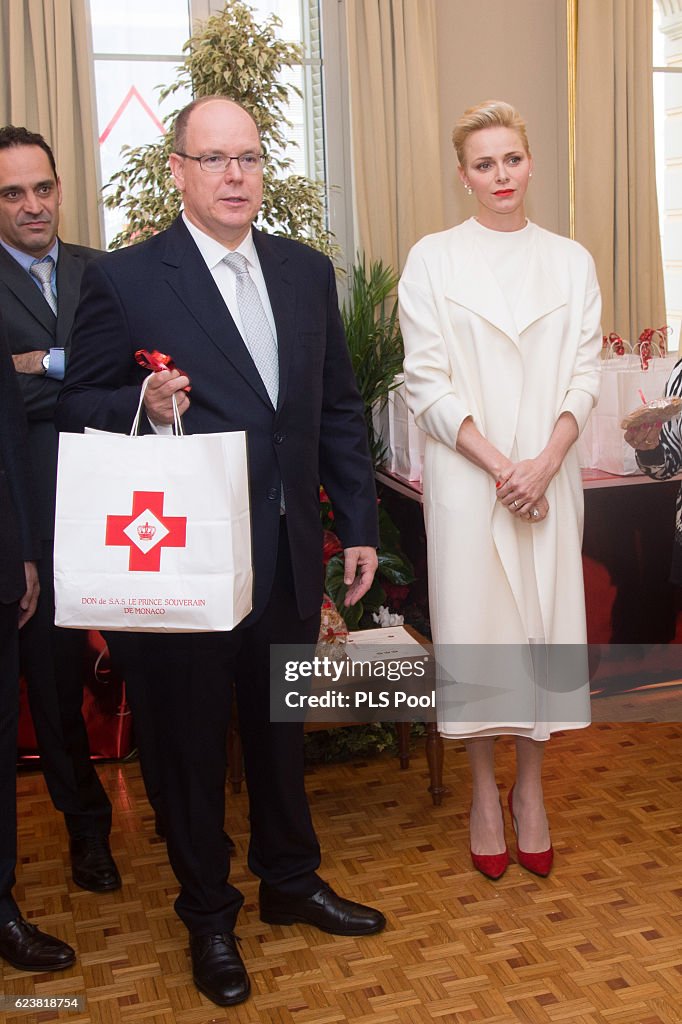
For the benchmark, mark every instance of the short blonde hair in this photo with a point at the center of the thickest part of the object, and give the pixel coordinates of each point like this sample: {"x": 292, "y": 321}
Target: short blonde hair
{"x": 491, "y": 114}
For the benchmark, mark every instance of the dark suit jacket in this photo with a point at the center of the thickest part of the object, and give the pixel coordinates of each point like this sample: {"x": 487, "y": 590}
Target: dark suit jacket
{"x": 31, "y": 325}
{"x": 18, "y": 542}
{"x": 160, "y": 295}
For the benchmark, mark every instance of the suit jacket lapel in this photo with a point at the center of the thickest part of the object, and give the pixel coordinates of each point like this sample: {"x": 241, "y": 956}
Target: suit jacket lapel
{"x": 70, "y": 268}
{"x": 21, "y": 285}
{"x": 190, "y": 279}
{"x": 282, "y": 295}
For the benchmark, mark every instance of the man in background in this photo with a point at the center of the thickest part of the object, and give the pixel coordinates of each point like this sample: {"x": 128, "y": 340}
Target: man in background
{"x": 40, "y": 278}
{"x": 22, "y": 944}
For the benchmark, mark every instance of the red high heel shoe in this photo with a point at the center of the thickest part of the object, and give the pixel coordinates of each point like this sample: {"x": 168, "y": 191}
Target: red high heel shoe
{"x": 539, "y": 863}
{"x": 492, "y": 865}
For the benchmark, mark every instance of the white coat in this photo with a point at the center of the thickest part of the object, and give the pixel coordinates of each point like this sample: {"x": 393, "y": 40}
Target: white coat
{"x": 466, "y": 355}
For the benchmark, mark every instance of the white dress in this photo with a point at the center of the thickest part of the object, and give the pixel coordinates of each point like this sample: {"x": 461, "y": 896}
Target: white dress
{"x": 502, "y": 327}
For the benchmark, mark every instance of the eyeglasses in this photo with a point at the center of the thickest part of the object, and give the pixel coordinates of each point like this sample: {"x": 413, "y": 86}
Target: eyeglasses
{"x": 217, "y": 163}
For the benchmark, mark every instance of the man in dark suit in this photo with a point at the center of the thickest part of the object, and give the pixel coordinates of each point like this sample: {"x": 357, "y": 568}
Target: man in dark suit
{"x": 253, "y": 319}
{"x": 21, "y": 944}
{"x": 40, "y": 278}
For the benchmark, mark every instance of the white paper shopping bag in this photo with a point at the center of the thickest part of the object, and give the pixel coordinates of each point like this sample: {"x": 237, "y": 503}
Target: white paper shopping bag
{"x": 406, "y": 440}
{"x": 622, "y": 390}
{"x": 152, "y": 533}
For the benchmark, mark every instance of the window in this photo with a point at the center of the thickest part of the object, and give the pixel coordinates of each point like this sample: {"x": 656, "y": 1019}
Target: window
{"x": 667, "y": 75}
{"x": 137, "y": 45}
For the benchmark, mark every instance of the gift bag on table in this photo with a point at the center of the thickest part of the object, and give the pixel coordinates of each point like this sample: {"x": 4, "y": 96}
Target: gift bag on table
{"x": 380, "y": 428}
{"x": 628, "y": 378}
{"x": 406, "y": 440}
{"x": 152, "y": 532}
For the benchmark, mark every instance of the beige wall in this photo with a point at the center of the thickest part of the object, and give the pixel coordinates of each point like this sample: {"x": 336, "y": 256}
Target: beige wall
{"x": 493, "y": 49}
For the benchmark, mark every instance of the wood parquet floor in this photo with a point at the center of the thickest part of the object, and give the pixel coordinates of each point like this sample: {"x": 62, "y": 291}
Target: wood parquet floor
{"x": 598, "y": 942}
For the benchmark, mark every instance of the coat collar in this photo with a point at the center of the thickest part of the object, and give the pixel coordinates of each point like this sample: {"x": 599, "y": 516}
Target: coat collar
{"x": 23, "y": 288}
{"x": 70, "y": 266}
{"x": 188, "y": 277}
{"x": 473, "y": 285}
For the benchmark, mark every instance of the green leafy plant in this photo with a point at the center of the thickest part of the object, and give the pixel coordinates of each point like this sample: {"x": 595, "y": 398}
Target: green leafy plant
{"x": 229, "y": 55}
{"x": 370, "y": 319}
{"x": 395, "y": 569}
{"x": 355, "y": 741}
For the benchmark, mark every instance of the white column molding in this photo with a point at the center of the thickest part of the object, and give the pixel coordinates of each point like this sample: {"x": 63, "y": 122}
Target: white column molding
{"x": 669, "y": 8}
{"x": 671, "y": 18}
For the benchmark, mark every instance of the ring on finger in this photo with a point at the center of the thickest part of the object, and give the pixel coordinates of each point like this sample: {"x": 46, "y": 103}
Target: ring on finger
{"x": 515, "y": 504}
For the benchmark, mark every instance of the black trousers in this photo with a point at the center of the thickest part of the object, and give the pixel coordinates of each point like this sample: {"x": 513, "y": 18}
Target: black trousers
{"x": 9, "y": 718}
{"x": 51, "y": 660}
{"x": 188, "y": 681}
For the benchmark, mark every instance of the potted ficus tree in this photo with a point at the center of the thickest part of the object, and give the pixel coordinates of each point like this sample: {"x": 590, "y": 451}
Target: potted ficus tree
{"x": 230, "y": 54}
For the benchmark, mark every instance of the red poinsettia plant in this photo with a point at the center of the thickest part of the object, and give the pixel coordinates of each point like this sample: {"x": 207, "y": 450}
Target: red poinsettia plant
{"x": 332, "y": 544}
{"x": 394, "y": 575}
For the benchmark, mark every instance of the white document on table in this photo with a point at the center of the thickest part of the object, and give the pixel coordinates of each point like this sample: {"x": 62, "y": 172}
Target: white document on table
{"x": 383, "y": 644}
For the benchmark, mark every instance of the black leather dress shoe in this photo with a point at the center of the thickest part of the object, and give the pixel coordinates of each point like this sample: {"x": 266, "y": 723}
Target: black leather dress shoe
{"x": 26, "y": 947}
{"x": 92, "y": 866}
{"x": 218, "y": 970}
{"x": 324, "y": 910}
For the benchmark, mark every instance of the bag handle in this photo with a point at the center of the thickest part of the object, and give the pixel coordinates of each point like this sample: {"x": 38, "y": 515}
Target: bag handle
{"x": 177, "y": 419}
{"x": 614, "y": 346}
{"x": 648, "y": 348}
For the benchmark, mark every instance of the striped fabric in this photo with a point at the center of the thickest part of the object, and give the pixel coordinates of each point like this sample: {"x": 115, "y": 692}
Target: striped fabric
{"x": 665, "y": 461}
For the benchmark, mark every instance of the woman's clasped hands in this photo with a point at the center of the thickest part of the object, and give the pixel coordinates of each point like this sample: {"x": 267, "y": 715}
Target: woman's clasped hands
{"x": 521, "y": 489}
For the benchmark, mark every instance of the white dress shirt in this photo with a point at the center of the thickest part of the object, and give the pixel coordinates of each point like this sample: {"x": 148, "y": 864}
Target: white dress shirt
{"x": 212, "y": 253}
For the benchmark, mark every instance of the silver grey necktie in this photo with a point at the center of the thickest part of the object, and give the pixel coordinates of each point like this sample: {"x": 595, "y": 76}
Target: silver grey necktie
{"x": 257, "y": 332}
{"x": 42, "y": 271}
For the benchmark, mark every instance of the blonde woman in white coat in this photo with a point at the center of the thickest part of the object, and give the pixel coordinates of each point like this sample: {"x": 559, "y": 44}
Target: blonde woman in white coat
{"x": 500, "y": 321}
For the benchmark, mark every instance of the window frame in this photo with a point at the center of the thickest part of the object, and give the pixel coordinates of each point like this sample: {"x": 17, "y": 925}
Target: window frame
{"x": 335, "y": 160}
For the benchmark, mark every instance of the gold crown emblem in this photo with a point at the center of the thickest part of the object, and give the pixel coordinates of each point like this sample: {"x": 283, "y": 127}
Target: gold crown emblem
{"x": 146, "y": 531}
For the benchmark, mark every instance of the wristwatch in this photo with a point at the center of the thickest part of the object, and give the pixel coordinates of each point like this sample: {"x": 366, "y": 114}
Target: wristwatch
{"x": 46, "y": 362}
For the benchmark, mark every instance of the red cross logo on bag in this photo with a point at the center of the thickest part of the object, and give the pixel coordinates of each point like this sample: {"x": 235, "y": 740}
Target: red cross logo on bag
{"x": 145, "y": 531}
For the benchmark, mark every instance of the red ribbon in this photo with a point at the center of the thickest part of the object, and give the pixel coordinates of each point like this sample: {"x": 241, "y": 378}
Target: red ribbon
{"x": 157, "y": 361}
{"x": 614, "y": 342}
{"x": 648, "y": 333}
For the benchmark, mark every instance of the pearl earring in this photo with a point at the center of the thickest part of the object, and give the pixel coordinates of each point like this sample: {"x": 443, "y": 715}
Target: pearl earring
{"x": 468, "y": 189}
